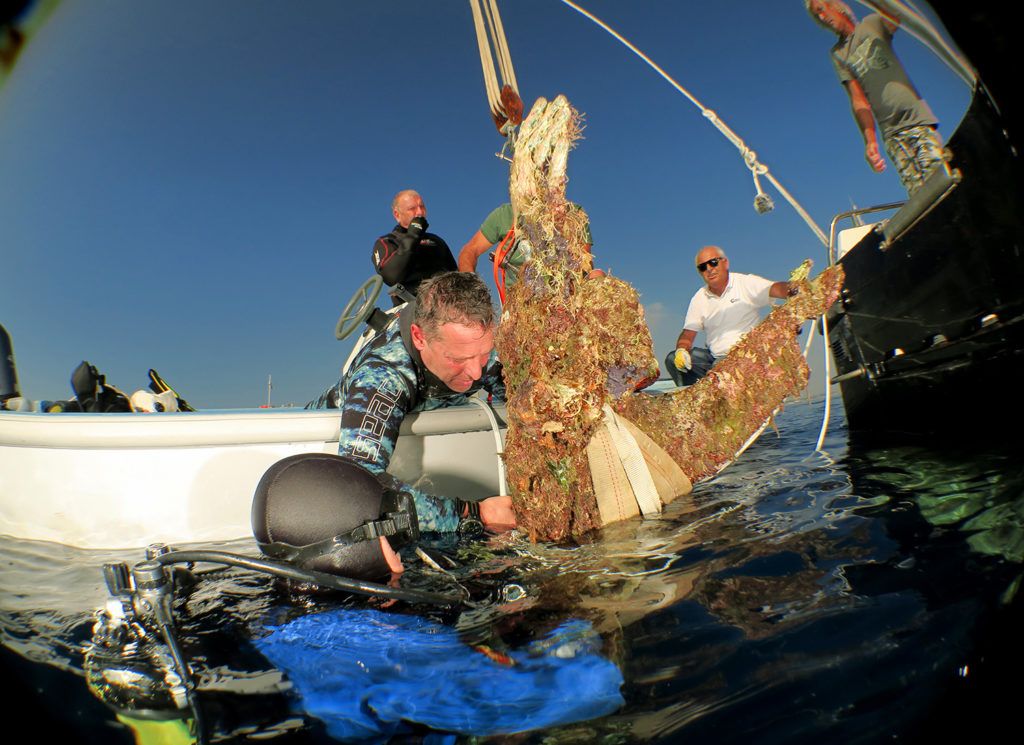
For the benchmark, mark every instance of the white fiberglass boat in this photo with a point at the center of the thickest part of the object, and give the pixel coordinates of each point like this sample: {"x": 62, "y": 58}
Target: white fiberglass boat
{"x": 127, "y": 480}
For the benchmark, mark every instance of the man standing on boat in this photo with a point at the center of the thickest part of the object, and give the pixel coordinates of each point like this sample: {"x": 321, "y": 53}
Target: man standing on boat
{"x": 726, "y": 308}
{"x": 408, "y": 254}
{"x": 437, "y": 352}
{"x": 880, "y": 90}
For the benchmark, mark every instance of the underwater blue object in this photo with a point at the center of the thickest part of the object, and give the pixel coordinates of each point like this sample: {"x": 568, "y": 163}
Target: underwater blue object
{"x": 364, "y": 673}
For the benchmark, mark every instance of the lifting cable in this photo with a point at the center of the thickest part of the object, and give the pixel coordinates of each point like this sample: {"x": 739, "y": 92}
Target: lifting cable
{"x": 503, "y": 99}
{"x": 507, "y": 110}
{"x": 762, "y": 202}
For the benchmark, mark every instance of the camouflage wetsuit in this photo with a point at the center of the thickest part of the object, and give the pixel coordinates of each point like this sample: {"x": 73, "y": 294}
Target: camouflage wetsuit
{"x": 386, "y": 381}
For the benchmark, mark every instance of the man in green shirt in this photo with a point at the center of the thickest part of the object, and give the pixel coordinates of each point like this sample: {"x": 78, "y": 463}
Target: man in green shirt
{"x": 499, "y": 228}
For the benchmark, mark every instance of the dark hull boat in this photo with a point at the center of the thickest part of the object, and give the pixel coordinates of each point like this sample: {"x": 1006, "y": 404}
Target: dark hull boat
{"x": 929, "y": 331}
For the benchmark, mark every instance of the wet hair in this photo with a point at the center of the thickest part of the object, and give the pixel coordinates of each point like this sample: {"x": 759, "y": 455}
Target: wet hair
{"x": 839, "y": 4}
{"x": 453, "y": 297}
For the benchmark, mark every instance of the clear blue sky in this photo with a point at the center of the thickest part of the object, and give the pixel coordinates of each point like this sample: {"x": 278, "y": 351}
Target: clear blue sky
{"x": 195, "y": 186}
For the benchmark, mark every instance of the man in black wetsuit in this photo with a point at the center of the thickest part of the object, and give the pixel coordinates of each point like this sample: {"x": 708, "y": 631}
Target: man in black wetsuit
{"x": 408, "y": 254}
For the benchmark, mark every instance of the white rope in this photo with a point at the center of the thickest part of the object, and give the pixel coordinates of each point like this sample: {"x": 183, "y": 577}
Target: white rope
{"x": 496, "y": 430}
{"x": 486, "y": 60}
{"x": 828, "y": 386}
{"x": 490, "y": 38}
{"x": 508, "y": 74}
{"x": 762, "y": 202}
{"x": 749, "y": 156}
{"x": 828, "y": 375}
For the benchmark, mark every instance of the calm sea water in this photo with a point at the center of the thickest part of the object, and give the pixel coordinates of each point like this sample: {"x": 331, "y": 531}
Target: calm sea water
{"x": 865, "y": 594}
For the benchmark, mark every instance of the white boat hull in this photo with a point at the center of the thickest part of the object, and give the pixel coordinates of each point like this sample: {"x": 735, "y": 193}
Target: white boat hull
{"x": 128, "y": 480}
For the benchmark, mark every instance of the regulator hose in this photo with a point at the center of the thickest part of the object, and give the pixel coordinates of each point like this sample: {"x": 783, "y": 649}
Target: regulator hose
{"x": 323, "y": 579}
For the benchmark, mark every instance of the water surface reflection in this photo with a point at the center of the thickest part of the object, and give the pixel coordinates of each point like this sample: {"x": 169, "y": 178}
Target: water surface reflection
{"x": 862, "y": 595}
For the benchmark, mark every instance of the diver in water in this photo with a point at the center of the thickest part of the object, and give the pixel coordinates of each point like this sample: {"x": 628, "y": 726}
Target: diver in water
{"x": 436, "y": 352}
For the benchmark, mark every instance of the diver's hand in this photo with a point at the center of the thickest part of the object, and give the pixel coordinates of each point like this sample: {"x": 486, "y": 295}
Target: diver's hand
{"x": 682, "y": 360}
{"x": 496, "y": 513}
{"x": 391, "y": 556}
{"x": 417, "y": 227}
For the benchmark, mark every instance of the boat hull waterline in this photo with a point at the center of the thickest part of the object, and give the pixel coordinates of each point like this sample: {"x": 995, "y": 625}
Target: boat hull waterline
{"x": 128, "y": 480}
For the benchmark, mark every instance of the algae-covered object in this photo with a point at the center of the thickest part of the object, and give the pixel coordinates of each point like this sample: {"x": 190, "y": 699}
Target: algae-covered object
{"x": 576, "y": 346}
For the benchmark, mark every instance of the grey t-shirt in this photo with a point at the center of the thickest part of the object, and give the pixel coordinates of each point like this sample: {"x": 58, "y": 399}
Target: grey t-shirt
{"x": 867, "y": 56}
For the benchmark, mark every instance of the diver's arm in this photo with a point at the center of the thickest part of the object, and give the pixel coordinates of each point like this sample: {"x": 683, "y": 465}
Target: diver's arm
{"x": 391, "y": 257}
{"x": 376, "y": 401}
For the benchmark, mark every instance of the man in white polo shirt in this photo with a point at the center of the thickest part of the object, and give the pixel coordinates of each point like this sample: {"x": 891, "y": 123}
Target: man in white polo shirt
{"x": 725, "y": 309}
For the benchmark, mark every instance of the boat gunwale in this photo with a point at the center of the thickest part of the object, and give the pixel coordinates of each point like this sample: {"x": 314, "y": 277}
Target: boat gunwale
{"x": 214, "y": 428}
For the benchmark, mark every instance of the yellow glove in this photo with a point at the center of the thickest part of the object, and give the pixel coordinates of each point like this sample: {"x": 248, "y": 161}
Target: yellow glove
{"x": 682, "y": 360}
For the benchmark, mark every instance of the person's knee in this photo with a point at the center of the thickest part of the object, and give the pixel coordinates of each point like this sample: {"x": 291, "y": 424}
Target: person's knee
{"x": 702, "y": 361}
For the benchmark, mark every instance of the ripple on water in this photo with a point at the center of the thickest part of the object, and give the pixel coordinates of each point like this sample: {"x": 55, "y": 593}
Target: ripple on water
{"x": 796, "y": 597}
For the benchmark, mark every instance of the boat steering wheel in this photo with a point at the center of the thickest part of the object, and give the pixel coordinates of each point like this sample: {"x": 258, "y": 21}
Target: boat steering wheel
{"x": 359, "y": 307}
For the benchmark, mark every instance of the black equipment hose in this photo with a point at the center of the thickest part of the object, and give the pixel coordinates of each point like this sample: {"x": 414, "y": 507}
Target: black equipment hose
{"x": 289, "y": 571}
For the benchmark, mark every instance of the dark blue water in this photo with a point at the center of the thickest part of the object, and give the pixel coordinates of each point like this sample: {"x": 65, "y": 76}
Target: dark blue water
{"x": 866, "y": 594}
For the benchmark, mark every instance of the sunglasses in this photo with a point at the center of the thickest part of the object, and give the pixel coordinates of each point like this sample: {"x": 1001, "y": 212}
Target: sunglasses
{"x": 703, "y": 266}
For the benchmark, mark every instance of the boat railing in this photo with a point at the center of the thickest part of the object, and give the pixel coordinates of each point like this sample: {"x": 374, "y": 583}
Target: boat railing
{"x": 935, "y": 189}
{"x": 850, "y": 214}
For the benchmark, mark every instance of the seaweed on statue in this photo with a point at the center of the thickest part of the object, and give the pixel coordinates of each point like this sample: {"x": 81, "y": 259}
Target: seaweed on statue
{"x": 576, "y": 347}
{"x": 703, "y": 426}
